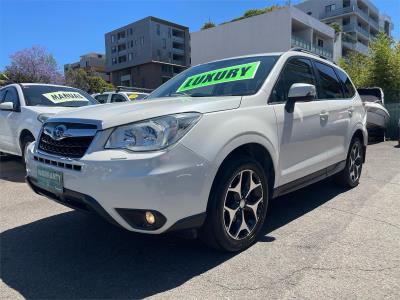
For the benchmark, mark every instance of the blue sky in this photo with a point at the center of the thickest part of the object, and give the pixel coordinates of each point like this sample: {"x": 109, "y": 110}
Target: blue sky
{"x": 69, "y": 28}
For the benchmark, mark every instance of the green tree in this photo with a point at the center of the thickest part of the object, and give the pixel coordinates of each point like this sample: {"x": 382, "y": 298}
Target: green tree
{"x": 380, "y": 68}
{"x": 92, "y": 84}
{"x": 336, "y": 26}
{"x": 208, "y": 25}
{"x": 255, "y": 12}
{"x": 4, "y": 80}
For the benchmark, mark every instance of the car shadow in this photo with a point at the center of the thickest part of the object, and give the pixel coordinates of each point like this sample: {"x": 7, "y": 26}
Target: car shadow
{"x": 12, "y": 169}
{"x": 73, "y": 255}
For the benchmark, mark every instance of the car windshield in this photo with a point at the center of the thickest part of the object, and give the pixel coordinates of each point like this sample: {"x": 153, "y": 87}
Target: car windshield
{"x": 60, "y": 96}
{"x": 231, "y": 77}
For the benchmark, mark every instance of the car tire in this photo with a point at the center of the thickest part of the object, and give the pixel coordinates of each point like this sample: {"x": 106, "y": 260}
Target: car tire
{"x": 25, "y": 142}
{"x": 349, "y": 177}
{"x": 238, "y": 205}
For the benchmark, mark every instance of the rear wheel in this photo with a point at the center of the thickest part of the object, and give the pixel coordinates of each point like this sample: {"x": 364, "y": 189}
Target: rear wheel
{"x": 238, "y": 206}
{"x": 350, "y": 176}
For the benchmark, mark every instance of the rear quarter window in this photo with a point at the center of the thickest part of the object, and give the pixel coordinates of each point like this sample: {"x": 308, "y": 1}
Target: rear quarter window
{"x": 348, "y": 88}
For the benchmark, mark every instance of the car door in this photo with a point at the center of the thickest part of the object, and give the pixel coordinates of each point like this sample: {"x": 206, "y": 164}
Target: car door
{"x": 3, "y": 144}
{"x": 340, "y": 111}
{"x": 303, "y": 133}
{"x": 9, "y": 122}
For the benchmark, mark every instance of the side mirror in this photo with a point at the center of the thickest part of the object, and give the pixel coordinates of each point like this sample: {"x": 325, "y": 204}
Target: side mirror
{"x": 302, "y": 92}
{"x": 7, "y": 106}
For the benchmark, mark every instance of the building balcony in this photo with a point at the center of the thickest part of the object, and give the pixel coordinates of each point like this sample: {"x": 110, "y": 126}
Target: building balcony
{"x": 299, "y": 42}
{"x": 347, "y": 10}
{"x": 178, "y": 51}
{"x": 178, "y": 39}
{"x": 356, "y": 46}
{"x": 356, "y": 28}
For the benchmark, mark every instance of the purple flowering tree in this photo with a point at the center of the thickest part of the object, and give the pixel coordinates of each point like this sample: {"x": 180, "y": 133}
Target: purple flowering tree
{"x": 34, "y": 65}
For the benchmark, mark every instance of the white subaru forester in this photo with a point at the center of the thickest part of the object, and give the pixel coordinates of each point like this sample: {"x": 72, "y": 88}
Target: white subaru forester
{"x": 208, "y": 149}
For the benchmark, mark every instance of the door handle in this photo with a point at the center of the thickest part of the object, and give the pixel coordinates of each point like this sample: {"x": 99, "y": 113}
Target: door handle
{"x": 350, "y": 111}
{"x": 324, "y": 115}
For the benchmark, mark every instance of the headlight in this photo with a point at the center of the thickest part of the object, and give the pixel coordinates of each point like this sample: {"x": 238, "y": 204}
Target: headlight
{"x": 152, "y": 134}
{"x": 43, "y": 117}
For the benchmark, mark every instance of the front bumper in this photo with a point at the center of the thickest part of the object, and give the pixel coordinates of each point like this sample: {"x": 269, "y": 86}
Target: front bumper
{"x": 174, "y": 183}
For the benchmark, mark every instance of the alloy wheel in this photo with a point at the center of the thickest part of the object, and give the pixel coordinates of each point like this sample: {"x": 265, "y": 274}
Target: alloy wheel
{"x": 243, "y": 204}
{"x": 355, "y": 162}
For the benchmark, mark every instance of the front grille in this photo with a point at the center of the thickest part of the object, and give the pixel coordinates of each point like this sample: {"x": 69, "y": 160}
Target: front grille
{"x": 73, "y": 147}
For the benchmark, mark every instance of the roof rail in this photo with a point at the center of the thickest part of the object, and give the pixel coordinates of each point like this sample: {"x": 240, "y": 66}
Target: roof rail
{"x": 299, "y": 49}
{"x": 133, "y": 89}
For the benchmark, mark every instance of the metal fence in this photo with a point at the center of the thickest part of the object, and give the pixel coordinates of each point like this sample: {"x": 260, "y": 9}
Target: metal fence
{"x": 392, "y": 130}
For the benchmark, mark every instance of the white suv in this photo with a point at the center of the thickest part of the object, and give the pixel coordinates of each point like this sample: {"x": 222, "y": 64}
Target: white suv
{"x": 209, "y": 148}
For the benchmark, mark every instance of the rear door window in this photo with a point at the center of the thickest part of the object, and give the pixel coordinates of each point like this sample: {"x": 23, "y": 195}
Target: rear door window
{"x": 329, "y": 84}
{"x": 117, "y": 98}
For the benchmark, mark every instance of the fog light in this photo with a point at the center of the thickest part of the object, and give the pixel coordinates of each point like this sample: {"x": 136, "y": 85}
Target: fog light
{"x": 150, "y": 218}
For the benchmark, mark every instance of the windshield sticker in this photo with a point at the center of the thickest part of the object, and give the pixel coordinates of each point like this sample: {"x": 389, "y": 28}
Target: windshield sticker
{"x": 133, "y": 96}
{"x": 233, "y": 73}
{"x": 60, "y": 97}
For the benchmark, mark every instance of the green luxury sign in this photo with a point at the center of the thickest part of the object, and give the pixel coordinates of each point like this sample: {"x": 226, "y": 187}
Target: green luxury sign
{"x": 233, "y": 73}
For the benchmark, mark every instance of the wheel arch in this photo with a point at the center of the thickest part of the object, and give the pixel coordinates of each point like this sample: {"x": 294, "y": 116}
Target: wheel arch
{"x": 253, "y": 149}
{"x": 24, "y": 133}
{"x": 359, "y": 134}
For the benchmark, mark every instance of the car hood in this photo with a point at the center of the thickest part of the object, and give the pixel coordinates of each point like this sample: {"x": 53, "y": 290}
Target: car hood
{"x": 115, "y": 114}
{"x": 48, "y": 109}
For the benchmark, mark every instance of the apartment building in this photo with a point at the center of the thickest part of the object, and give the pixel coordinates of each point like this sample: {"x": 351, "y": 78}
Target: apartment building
{"x": 360, "y": 21}
{"x": 275, "y": 31}
{"x": 147, "y": 53}
{"x": 93, "y": 63}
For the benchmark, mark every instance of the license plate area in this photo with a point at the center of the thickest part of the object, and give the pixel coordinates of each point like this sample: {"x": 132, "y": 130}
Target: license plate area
{"x": 50, "y": 180}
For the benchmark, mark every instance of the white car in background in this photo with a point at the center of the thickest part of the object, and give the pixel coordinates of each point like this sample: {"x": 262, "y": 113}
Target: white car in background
{"x": 24, "y": 107}
{"x": 113, "y": 97}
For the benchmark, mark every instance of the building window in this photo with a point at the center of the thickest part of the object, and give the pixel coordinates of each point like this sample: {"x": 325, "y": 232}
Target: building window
{"x": 122, "y": 59}
{"x": 142, "y": 40}
{"x": 164, "y": 43}
{"x": 158, "y": 29}
{"x": 158, "y": 54}
{"x": 130, "y": 56}
{"x": 121, "y": 47}
{"x": 131, "y": 44}
{"x": 121, "y": 35}
{"x": 309, "y": 13}
{"x": 320, "y": 43}
{"x": 169, "y": 32}
{"x": 113, "y": 49}
{"x": 130, "y": 31}
{"x": 330, "y": 8}
{"x": 114, "y": 61}
{"x": 113, "y": 38}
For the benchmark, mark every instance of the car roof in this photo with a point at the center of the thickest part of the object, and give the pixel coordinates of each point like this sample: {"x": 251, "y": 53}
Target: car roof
{"x": 286, "y": 53}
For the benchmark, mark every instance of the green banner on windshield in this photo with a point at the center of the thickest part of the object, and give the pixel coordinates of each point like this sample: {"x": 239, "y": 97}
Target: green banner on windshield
{"x": 233, "y": 73}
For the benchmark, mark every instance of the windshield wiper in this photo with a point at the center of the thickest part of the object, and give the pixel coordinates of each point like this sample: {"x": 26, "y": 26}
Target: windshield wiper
{"x": 180, "y": 94}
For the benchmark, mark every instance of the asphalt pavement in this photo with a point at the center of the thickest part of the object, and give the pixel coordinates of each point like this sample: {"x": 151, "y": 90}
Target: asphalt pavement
{"x": 320, "y": 242}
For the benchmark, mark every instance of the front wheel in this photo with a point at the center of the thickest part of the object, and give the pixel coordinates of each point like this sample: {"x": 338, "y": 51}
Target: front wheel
{"x": 350, "y": 176}
{"x": 25, "y": 142}
{"x": 239, "y": 201}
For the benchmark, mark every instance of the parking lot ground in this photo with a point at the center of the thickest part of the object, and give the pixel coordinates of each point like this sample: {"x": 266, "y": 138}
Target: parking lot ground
{"x": 320, "y": 242}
